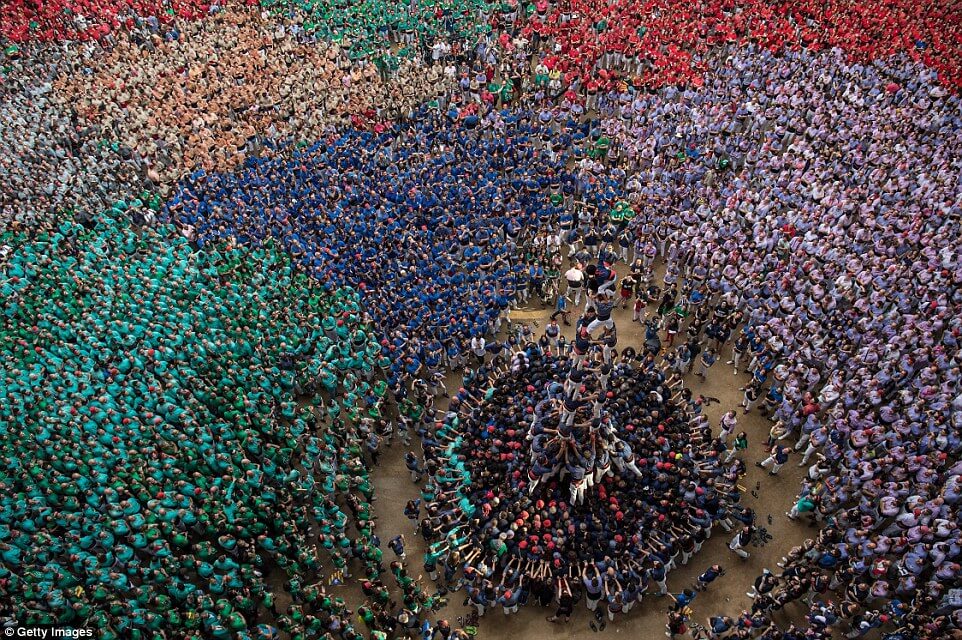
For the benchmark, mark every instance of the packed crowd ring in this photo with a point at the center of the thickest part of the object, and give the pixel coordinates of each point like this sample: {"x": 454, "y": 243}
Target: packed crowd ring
{"x": 243, "y": 246}
{"x": 573, "y": 460}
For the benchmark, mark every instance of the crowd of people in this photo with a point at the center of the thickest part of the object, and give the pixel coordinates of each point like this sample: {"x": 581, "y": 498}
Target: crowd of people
{"x": 660, "y": 42}
{"x": 89, "y": 20}
{"x": 158, "y": 467}
{"x": 381, "y": 204}
{"x": 830, "y": 209}
{"x": 79, "y": 132}
{"x": 649, "y": 42}
{"x": 50, "y": 164}
{"x": 374, "y": 28}
{"x": 566, "y": 472}
{"x": 430, "y": 221}
{"x": 203, "y": 93}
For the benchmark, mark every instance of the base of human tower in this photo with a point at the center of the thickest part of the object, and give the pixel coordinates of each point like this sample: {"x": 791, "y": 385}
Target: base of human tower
{"x": 562, "y": 464}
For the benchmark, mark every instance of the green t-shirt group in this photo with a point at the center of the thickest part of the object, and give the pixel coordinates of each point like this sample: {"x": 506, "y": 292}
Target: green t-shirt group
{"x": 155, "y": 463}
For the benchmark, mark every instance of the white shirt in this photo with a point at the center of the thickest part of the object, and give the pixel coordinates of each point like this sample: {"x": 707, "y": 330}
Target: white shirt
{"x": 477, "y": 345}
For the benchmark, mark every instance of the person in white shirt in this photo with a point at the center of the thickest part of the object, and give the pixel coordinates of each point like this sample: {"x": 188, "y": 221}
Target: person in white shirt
{"x": 576, "y": 278}
{"x": 728, "y": 423}
{"x": 477, "y": 347}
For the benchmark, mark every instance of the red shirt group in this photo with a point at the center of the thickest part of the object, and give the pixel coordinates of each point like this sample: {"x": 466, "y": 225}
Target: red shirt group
{"x": 672, "y": 35}
{"x": 55, "y": 20}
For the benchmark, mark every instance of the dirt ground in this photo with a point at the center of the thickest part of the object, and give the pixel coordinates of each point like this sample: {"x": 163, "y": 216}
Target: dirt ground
{"x": 726, "y": 595}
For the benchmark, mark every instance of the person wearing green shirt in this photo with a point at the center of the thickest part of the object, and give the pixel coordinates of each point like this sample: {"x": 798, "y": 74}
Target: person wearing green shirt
{"x": 805, "y": 504}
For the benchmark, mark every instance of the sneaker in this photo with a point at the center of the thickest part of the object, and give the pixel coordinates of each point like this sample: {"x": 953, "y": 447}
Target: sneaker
{"x": 731, "y": 362}
{"x": 771, "y": 473}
